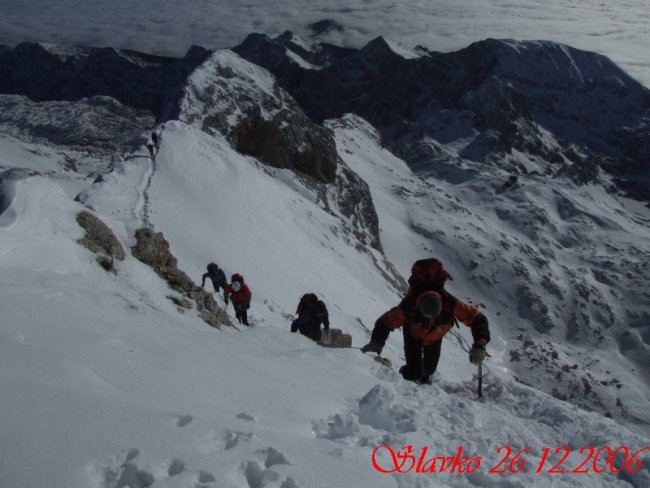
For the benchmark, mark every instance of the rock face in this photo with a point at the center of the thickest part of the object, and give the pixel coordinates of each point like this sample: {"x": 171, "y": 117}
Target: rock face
{"x": 138, "y": 80}
{"x": 241, "y": 101}
{"x": 575, "y": 110}
{"x": 100, "y": 239}
{"x": 288, "y": 141}
{"x": 153, "y": 249}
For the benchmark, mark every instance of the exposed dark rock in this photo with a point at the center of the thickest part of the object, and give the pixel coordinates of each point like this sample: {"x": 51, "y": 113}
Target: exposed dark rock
{"x": 135, "y": 79}
{"x": 107, "y": 263}
{"x": 289, "y": 140}
{"x": 99, "y": 238}
{"x": 353, "y": 200}
{"x": 153, "y": 249}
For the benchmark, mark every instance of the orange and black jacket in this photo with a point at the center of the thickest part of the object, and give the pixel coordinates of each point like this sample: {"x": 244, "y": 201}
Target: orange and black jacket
{"x": 430, "y": 331}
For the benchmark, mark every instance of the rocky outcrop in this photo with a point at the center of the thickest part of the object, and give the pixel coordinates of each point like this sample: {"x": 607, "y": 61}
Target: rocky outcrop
{"x": 232, "y": 97}
{"x": 289, "y": 140}
{"x": 350, "y": 197}
{"x": 99, "y": 238}
{"x": 336, "y": 338}
{"x": 153, "y": 249}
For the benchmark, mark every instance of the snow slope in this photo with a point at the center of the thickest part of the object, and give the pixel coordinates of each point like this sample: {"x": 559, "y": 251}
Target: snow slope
{"x": 106, "y": 383}
{"x": 559, "y": 270}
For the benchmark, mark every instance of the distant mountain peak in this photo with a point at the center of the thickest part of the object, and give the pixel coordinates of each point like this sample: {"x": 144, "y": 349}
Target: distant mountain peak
{"x": 534, "y": 97}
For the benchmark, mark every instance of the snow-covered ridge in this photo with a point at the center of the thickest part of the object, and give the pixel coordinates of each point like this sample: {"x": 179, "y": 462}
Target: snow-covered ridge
{"x": 234, "y": 98}
{"x": 227, "y": 86}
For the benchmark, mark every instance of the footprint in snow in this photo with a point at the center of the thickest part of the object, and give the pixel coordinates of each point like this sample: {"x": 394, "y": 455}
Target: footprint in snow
{"x": 183, "y": 420}
{"x": 232, "y": 438}
{"x": 258, "y": 477}
{"x": 206, "y": 477}
{"x": 246, "y": 417}
{"x": 273, "y": 457}
{"x": 126, "y": 473}
{"x": 176, "y": 467}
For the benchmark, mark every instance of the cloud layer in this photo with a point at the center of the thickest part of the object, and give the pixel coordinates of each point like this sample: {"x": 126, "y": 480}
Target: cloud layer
{"x": 617, "y": 28}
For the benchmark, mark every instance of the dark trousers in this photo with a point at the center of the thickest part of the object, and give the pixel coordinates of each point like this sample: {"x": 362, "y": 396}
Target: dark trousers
{"x": 242, "y": 315}
{"x": 421, "y": 360}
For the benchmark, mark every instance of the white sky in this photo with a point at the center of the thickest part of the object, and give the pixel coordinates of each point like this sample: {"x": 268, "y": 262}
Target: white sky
{"x": 617, "y": 28}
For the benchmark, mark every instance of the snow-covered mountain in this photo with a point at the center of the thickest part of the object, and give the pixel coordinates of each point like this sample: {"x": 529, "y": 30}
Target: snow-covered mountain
{"x": 565, "y": 110}
{"x": 111, "y": 376}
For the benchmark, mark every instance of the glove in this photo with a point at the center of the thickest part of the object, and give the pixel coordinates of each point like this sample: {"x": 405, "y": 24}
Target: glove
{"x": 477, "y": 353}
{"x": 372, "y": 347}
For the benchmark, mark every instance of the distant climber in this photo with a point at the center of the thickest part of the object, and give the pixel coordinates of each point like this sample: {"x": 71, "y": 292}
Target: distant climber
{"x": 311, "y": 312}
{"x": 155, "y": 140}
{"x": 216, "y": 275}
{"x": 151, "y": 148}
{"x": 426, "y": 314}
{"x": 241, "y": 297}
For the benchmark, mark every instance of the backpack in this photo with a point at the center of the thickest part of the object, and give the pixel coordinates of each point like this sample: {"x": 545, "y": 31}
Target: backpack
{"x": 307, "y": 300}
{"x": 213, "y": 268}
{"x": 428, "y": 274}
{"x": 320, "y": 310}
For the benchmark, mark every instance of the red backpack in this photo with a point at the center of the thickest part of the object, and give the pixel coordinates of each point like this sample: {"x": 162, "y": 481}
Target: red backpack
{"x": 428, "y": 274}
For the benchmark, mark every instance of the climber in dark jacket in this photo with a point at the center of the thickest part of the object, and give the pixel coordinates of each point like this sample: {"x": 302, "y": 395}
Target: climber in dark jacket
{"x": 311, "y": 312}
{"x": 217, "y": 277}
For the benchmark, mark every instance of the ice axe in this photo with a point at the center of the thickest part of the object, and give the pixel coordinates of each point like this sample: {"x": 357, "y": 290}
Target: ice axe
{"x": 480, "y": 379}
